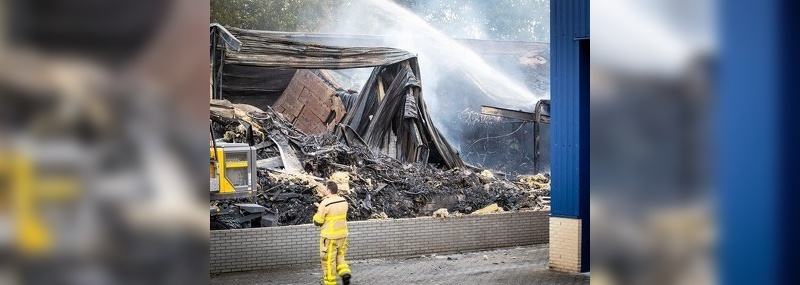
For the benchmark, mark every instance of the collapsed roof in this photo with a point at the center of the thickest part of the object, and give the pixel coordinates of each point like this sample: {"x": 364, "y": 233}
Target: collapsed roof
{"x": 389, "y": 114}
{"x": 267, "y": 49}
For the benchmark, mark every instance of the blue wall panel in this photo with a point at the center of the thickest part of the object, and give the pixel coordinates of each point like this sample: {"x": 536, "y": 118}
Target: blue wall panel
{"x": 569, "y": 22}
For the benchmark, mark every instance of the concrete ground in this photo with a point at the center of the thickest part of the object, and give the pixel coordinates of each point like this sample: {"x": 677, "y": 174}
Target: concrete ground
{"x": 520, "y": 265}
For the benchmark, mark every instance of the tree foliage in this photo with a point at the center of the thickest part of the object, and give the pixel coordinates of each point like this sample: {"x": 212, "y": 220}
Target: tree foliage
{"x": 523, "y": 20}
{"x": 273, "y": 15}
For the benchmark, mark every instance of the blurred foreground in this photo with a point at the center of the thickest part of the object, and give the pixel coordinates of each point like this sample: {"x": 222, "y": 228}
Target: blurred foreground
{"x": 97, "y": 140}
{"x": 652, "y": 210}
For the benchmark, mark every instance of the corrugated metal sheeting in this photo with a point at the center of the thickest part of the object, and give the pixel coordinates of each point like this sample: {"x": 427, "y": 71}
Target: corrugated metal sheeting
{"x": 569, "y": 33}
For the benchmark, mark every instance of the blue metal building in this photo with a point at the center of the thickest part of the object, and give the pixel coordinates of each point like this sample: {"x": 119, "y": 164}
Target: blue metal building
{"x": 569, "y": 94}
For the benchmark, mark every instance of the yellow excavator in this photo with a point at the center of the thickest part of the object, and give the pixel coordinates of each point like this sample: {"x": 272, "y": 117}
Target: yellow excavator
{"x": 234, "y": 185}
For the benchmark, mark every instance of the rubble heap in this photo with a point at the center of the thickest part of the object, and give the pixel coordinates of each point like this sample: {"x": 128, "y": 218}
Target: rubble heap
{"x": 377, "y": 186}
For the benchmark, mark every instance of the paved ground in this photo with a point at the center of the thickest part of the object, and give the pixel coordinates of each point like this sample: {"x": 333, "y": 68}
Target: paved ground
{"x": 521, "y": 265}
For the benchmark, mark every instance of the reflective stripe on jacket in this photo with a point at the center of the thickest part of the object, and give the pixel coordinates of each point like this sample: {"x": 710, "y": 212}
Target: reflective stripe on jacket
{"x": 332, "y": 215}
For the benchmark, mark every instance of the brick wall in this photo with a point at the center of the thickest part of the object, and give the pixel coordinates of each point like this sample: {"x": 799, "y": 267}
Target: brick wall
{"x": 565, "y": 244}
{"x": 307, "y": 101}
{"x": 261, "y": 248}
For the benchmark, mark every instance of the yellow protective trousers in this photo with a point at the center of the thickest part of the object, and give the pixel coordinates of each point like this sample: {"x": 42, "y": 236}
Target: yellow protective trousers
{"x": 331, "y": 253}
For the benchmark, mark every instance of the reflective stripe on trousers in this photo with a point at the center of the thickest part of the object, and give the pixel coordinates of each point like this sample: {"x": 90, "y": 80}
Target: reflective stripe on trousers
{"x": 332, "y": 254}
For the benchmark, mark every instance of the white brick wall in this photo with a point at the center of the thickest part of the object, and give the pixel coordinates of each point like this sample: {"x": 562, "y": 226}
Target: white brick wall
{"x": 565, "y": 244}
{"x": 261, "y": 248}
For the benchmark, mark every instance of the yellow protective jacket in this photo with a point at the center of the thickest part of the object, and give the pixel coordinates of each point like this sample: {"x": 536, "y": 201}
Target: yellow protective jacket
{"x": 332, "y": 216}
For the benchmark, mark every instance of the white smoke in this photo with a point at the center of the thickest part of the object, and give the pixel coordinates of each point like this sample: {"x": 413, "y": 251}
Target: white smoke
{"x": 438, "y": 53}
{"x": 444, "y": 63}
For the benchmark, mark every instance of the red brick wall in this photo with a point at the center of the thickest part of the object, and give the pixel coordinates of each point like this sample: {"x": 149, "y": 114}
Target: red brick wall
{"x": 307, "y": 101}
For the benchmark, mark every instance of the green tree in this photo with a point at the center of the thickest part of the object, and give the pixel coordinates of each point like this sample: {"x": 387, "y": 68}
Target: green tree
{"x": 273, "y": 15}
{"x": 523, "y": 20}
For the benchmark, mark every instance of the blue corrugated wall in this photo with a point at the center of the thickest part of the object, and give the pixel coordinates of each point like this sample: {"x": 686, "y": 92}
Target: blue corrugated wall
{"x": 569, "y": 125}
{"x": 569, "y": 23}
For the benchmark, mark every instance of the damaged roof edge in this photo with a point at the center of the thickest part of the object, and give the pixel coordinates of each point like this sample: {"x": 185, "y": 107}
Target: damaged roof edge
{"x": 484, "y": 46}
{"x": 266, "y": 49}
{"x": 231, "y": 42}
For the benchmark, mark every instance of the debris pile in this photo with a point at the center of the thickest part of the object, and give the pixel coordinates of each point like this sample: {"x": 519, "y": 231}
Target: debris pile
{"x": 493, "y": 208}
{"x": 539, "y": 181}
{"x": 293, "y": 166}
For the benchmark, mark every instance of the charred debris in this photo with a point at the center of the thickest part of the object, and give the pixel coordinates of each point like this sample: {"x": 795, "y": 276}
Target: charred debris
{"x": 374, "y": 184}
{"x": 379, "y": 144}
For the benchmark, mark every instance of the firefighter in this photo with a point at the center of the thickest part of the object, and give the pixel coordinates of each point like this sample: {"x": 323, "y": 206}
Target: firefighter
{"x": 331, "y": 216}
